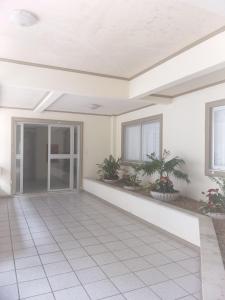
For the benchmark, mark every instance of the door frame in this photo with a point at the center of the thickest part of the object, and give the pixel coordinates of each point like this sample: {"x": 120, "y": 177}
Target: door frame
{"x": 16, "y": 120}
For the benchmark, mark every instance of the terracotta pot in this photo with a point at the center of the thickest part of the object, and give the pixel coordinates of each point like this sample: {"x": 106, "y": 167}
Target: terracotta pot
{"x": 166, "y": 197}
{"x": 218, "y": 216}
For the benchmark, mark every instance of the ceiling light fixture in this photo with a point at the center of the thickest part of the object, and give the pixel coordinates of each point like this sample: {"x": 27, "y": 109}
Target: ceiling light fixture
{"x": 23, "y": 17}
{"x": 94, "y": 106}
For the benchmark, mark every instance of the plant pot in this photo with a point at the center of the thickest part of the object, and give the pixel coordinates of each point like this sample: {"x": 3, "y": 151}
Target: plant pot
{"x": 218, "y": 216}
{"x": 110, "y": 180}
{"x": 130, "y": 187}
{"x": 166, "y": 197}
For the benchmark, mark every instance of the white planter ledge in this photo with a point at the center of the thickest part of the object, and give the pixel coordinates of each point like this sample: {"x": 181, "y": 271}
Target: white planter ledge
{"x": 191, "y": 227}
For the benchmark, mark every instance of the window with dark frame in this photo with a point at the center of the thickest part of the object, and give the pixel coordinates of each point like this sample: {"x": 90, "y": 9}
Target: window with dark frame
{"x": 140, "y": 138}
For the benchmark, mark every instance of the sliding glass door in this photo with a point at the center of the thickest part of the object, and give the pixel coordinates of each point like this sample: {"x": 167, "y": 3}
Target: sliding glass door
{"x": 62, "y": 149}
{"x": 63, "y": 155}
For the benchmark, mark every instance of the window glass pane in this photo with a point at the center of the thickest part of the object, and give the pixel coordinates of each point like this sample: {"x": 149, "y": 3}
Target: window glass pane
{"x": 60, "y": 140}
{"x": 150, "y": 139}
{"x": 132, "y": 142}
{"x": 219, "y": 138}
{"x": 17, "y": 175}
{"x": 59, "y": 174}
{"x": 18, "y": 139}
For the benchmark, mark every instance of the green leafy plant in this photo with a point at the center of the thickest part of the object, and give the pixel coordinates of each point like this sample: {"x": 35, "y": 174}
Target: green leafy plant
{"x": 132, "y": 179}
{"x": 109, "y": 168}
{"x": 164, "y": 168}
{"x": 215, "y": 197}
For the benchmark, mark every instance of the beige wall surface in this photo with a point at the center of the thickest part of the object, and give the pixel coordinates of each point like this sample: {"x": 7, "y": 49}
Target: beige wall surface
{"x": 96, "y": 140}
{"x": 183, "y": 133}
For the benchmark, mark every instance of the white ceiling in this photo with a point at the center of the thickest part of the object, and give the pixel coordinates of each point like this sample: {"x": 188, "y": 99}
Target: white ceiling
{"x": 195, "y": 84}
{"x": 26, "y": 98}
{"x": 119, "y": 38}
{"x": 17, "y": 97}
{"x": 72, "y": 103}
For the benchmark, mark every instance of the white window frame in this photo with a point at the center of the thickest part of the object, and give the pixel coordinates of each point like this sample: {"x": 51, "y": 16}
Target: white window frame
{"x": 140, "y": 122}
{"x": 210, "y": 168}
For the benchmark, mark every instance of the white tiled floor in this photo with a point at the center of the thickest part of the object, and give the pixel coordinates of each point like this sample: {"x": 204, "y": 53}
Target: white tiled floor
{"x": 75, "y": 247}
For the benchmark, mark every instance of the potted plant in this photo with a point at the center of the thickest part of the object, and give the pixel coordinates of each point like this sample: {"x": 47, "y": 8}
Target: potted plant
{"x": 163, "y": 188}
{"x": 131, "y": 181}
{"x": 108, "y": 169}
{"x": 215, "y": 205}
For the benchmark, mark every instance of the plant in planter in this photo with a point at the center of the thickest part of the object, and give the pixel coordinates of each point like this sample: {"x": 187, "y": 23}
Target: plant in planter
{"x": 108, "y": 169}
{"x": 131, "y": 181}
{"x": 215, "y": 205}
{"x": 163, "y": 188}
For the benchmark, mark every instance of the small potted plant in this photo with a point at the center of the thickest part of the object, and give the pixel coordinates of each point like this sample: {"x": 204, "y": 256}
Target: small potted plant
{"x": 131, "y": 181}
{"x": 108, "y": 169}
{"x": 215, "y": 205}
{"x": 163, "y": 188}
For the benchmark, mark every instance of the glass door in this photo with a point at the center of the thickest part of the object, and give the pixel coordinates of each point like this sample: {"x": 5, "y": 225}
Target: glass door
{"x": 61, "y": 152}
{"x": 63, "y": 157}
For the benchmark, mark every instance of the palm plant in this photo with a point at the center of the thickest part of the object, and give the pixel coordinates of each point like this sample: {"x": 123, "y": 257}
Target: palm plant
{"x": 165, "y": 168}
{"x": 109, "y": 168}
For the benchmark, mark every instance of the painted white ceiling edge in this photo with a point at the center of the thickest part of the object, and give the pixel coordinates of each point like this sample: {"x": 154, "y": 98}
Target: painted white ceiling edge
{"x": 118, "y": 38}
{"x": 174, "y": 71}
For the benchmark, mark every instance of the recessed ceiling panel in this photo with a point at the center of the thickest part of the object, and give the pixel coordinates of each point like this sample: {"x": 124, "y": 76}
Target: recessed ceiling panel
{"x": 195, "y": 84}
{"x": 17, "y": 97}
{"x": 120, "y": 38}
{"x": 91, "y": 105}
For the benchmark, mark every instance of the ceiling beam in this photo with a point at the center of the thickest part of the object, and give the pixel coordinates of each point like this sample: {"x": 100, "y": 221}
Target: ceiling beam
{"x": 157, "y": 99}
{"x": 200, "y": 60}
{"x": 87, "y": 85}
{"x": 48, "y": 100}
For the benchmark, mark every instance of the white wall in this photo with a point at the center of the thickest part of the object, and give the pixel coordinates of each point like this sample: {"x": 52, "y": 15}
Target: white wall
{"x": 96, "y": 140}
{"x": 174, "y": 220}
{"x": 183, "y": 133}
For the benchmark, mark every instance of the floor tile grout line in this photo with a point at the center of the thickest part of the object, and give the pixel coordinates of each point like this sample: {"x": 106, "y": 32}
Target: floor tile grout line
{"x": 109, "y": 250}
{"x": 82, "y": 225}
{"x": 14, "y": 261}
{"x": 37, "y": 252}
{"x": 118, "y": 276}
{"x": 99, "y": 267}
{"x": 65, "y": 258}
{"x": 172, "y": 261}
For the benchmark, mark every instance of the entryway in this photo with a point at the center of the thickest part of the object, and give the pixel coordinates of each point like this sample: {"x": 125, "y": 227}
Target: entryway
{"x": 46, "y": 156}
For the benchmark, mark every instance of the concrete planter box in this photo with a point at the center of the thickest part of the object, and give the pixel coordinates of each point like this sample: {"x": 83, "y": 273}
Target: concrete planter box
{"x": 131, "y": 188}
{"x": 110, "y": 180}
{"x": 218, "y": 216}
{"x": 165, "y": 197}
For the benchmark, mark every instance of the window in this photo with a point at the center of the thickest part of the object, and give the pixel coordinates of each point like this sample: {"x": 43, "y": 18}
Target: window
{"x": 215, "y": 138}
{"x": 140, "y": 138}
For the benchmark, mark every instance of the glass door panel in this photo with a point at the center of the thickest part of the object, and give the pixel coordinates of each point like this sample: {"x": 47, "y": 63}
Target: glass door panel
{"x": 75, "y": 173}
{"x": 18, "y": 139}
{"x": 18, "y": 175}
{"x": 61, "y": 157}
{"x": 75, "y": 140}
{"x": 60, "y": 140}
{"x": 59, "y": 174}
